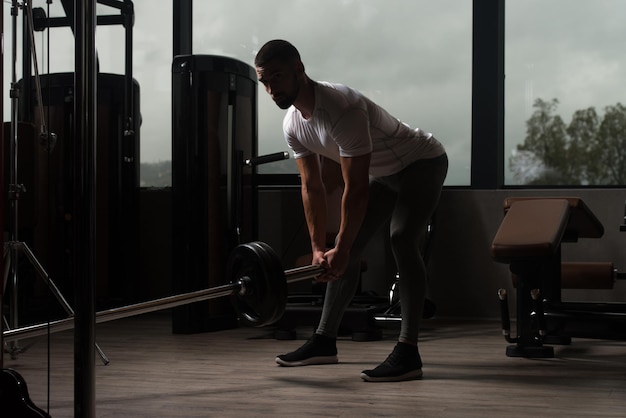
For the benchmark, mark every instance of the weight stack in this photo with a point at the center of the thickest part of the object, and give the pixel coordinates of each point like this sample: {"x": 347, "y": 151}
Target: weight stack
{"x": 51, "y": 176}
{"x": 214, "y": 194}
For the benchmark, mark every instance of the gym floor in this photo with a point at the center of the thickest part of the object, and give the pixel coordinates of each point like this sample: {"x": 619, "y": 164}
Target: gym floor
{"x": 154, "y": 373}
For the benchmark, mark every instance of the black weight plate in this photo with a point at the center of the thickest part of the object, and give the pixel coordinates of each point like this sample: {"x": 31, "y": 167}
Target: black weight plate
{"x": 278, "y": 283}
{"x": 268, "y": 258}
{"x": 272, "y": 286}
{"x": 266, "y": 292}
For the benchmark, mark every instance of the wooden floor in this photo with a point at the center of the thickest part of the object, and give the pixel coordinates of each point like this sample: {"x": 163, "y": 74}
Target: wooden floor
{"x": 154, "y": 373}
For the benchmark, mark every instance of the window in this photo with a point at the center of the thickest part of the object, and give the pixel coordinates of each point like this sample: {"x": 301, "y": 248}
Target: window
{"x": 412, "y": 57}
{"x": 152, "y": 59}
{"x": 565, "y": 122}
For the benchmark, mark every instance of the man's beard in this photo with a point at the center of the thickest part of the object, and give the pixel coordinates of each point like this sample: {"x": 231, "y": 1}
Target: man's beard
{"x": 285, "y": 102}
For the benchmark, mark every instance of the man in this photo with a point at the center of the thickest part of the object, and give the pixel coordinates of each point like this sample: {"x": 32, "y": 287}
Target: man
{"x": 390, "y": 172}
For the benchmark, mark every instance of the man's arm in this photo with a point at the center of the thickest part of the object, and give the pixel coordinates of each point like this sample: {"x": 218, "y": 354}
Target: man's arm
{"x": 355, "y": 171}
{"x": 314, "y": 202}
{"x": 333, "y": 183}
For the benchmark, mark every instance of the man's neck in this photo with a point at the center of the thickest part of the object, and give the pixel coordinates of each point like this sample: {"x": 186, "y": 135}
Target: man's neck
{"x": 305, "y": 102}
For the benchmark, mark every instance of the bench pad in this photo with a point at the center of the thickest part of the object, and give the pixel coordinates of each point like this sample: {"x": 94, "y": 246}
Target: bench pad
{"x": 530, "y": 229}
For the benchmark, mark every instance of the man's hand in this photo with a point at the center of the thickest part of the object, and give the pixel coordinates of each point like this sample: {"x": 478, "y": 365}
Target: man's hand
{"x": 335, "y": 263}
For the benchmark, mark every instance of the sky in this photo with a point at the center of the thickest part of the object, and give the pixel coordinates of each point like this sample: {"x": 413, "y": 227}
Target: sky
{"x": 568, "y": 50}
{"x": 411, "y": 56}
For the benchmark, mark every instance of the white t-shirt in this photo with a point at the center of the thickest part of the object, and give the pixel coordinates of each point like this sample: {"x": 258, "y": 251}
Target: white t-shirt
{"x": 345, "y": 123}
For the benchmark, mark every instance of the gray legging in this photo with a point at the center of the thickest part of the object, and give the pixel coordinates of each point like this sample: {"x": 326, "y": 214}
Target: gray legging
{"x": 410, "y": 198}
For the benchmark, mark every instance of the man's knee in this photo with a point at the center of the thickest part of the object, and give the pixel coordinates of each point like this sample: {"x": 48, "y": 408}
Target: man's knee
{"x": 404, "y": 241}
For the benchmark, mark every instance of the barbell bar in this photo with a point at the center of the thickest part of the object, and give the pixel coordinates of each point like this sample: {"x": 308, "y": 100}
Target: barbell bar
{"x": 258, "y": 291}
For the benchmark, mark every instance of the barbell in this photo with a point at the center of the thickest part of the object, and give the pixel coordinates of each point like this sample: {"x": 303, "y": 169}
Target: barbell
{"x": 258, "y": 291}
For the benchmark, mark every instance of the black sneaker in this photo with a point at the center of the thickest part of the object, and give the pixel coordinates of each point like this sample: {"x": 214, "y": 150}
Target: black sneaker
{"x": 404, "y": 363}
{"x": 319, "y": 349}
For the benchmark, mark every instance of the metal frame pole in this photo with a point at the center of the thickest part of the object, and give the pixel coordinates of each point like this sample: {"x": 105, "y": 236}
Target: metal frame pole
{"x": 85, "y": 85}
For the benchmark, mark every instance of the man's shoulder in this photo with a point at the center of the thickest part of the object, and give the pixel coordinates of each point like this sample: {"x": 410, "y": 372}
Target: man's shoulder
{"x": 339, "y": 97}
{"x": 335, "y": 89}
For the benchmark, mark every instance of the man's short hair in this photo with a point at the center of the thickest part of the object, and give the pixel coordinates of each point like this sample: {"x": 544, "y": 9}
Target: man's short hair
{"x": 276, "y": 49}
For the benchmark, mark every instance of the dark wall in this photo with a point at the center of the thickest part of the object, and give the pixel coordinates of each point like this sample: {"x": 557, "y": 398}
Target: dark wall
{"x": 464, "y": 279}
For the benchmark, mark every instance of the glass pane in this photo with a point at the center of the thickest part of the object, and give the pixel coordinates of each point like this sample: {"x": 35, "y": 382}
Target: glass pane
{"x": 412, "y": 57}
{"x": 55, "y": 49}
{"x": 564, "y": 122}
{"x": 152, "y": 60}
{"x": 152, "y": 68}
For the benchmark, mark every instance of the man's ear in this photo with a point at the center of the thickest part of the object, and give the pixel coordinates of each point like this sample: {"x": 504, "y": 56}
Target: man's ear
{"x": 299, "y": 68}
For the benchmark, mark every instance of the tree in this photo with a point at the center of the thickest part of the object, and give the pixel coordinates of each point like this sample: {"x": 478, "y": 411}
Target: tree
{"x": 583, "y": 164}
{"x": 546, "y": 140}
{"x": 610, "y": 151}
{"x": 587, "y": 151}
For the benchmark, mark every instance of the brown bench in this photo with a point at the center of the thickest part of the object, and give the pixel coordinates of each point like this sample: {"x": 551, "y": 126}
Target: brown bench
{"x": 530, "y": 229}
{"x": 537, "y": 227}
{"x": 582, "y": 223}
{"x": 529, "y": 240}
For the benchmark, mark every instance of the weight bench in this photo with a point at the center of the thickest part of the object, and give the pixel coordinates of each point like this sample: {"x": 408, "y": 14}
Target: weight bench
{"x": 529, "y": 239}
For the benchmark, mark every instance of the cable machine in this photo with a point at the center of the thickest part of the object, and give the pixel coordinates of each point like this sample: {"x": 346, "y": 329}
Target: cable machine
{"x": 117, "y": 187}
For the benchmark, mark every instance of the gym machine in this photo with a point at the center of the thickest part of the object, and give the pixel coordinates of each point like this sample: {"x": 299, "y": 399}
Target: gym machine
{"x": 529, "y": 239}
